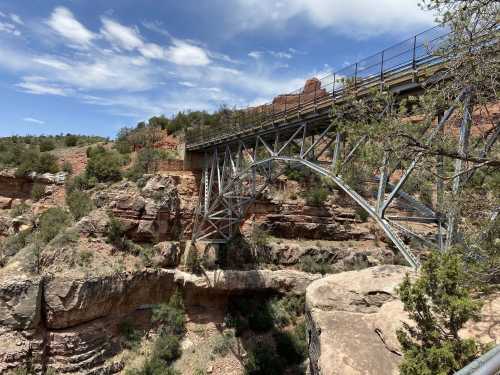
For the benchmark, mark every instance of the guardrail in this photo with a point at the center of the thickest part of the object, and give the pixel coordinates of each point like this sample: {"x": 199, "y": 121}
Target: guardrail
{"x": 385, "y": 66}
{"x": 487, "y": 364}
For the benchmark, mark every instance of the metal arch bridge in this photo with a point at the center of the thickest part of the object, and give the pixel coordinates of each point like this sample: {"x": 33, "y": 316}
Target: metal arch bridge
{"x": 239, "y": 161}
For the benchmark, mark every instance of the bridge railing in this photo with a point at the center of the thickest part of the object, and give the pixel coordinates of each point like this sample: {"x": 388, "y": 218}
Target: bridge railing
{"x": 374, "y": 71}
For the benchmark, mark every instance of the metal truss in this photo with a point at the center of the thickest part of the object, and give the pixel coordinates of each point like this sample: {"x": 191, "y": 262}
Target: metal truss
{"x": 236, "y": 173}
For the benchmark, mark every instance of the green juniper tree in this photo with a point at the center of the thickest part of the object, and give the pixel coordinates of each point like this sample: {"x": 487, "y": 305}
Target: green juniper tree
{"x": 439, "y": 303}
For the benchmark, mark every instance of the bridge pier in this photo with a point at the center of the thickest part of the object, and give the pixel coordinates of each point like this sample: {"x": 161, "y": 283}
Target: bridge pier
{"x": 194, "y": 160}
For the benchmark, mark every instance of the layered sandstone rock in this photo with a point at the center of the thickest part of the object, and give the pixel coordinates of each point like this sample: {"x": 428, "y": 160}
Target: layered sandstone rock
{"x": 352, "y": 319}
{"x": 20, "y": 318}
{"x": 70, "y": 321}
{"x": 148, "y": 214}
{"x": 295, "y": 219}
{"x": 341, "y": 255}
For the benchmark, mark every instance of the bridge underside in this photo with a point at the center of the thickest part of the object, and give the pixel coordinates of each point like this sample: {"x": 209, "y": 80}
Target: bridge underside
{"x": 237, "y": 172}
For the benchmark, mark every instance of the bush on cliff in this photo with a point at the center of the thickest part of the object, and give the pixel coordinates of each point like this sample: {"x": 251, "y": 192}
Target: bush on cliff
{"x": 33, "y": 161}
{"x": 52, "y": 222}
{"x": 439, "y": 303}
{"x": 79, "y": 204}
{"x": 104, "y": 165}
{"x": 116, "y": 235}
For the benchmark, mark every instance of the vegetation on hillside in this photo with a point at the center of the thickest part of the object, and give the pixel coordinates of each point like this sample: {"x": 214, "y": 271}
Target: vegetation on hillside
{"x": 277, "y": 331}
{"x": 32, "y": 153}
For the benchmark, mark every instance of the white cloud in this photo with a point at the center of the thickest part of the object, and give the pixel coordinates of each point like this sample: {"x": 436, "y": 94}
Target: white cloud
{"x": 121, "y": 36}
{"x": 280, "y": 54}
{"x": 187, "y": 84}
{"x": 9, "y": 28}
{"x": 255, "y": 54}
{"x": 15, "y": 18}
{"x": 33, "y": 120}
{"x": 38, "y": 86}
{"x": 64, "y": 23}
{"x": 358, "y": 19}
{"x": 152, "y": 51}
{"x": 52, "y": 62}
{"x": 183, "y": 53}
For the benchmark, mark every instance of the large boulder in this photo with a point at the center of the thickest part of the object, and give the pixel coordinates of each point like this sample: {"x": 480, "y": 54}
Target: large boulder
{"x": 72, "y": 300}
{"x": 352, "y": 318}
{"x": 94, "y": 224}
{"x": 20, "y": 300}
{"x": 168, "y": 254}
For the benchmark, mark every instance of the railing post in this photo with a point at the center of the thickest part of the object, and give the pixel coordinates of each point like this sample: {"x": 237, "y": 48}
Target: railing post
{"x": 286, "y": 97}
{"x": 382, "y": 72}
{"x": 355, "y": 76}
{"x": 414, "y": 60}
{"x": 333, "y": 87}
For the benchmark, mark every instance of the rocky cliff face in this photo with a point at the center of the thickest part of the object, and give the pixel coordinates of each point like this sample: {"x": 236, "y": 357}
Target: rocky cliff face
{"x": 352, "y": 318}
{"x": 70, "y": 321}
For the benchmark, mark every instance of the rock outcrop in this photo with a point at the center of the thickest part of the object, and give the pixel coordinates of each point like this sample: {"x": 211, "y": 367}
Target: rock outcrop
{"x": 70, "y": 321}
{"x": 352, "y": 319}
{"x": 340, "y": 255}
{"x": 148, "y": 214}
{"x": 296, "y": 219}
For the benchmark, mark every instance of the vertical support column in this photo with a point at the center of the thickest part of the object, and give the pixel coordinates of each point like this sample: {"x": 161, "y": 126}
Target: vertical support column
{"x": 463, "y": 146}
{"x": 382, "y": 184}
{"x": 206, "y": 184}
{"x": 336, "y": 153}
{"x": 440, "y": 189}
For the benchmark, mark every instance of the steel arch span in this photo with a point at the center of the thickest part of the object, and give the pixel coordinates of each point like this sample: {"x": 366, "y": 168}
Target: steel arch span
{"x": 236, "y": 173}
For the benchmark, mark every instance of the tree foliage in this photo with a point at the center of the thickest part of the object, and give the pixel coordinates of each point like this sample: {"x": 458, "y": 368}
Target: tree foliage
{"x": 439, "y": 303}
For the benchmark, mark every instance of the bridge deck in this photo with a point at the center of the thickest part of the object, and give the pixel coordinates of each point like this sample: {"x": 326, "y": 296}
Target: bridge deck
{"x": 400, "y": 69}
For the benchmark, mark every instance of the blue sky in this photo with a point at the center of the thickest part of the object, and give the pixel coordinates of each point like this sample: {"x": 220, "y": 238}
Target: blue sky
{"x": 92, "y": 67}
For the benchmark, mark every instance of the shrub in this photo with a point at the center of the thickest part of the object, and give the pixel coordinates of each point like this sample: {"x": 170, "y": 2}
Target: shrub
{"x": 223, "y": 343}
{"x": 46, "y": 145}
{"x": 153, "y": 366}
{"x": 292, "y": 345}
{"x": 52, "y": 222}
{"x": 103, "y": 165}
{"x": 362, "y": 214}
{"x": 167, "y": 347}
{"x": 80, "y": 183}
{"x": 85, "y": 258}
{"x": 66, "y": 237}
{"x": 261, "y": 320}
{"x": 129, "y": 333}
{"x": 285, "y": 310}
{"x": 311, "y": 265}
{"x": 117, "y": 235}
{"x": 67, "y": 167}
{"x": 171, "y": 315}
{"x": 16, "y": 242}
{"x": 79, "y": 204}
{"x": 19, "y": 210}
{"x": 259, "y": 237}
{"x": 47, "y": 164}
{"x": 439, "y": 304}
{"x": 263, "y": 360}
{"x": 71, "y": 140}
{"x": 33, "y": 161}
{"x": 37, "y": 192}
{"x": 316, "y": 196}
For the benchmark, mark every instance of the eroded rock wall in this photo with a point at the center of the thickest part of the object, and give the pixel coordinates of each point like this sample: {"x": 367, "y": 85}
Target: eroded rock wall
{"x": 70, "y": 322}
